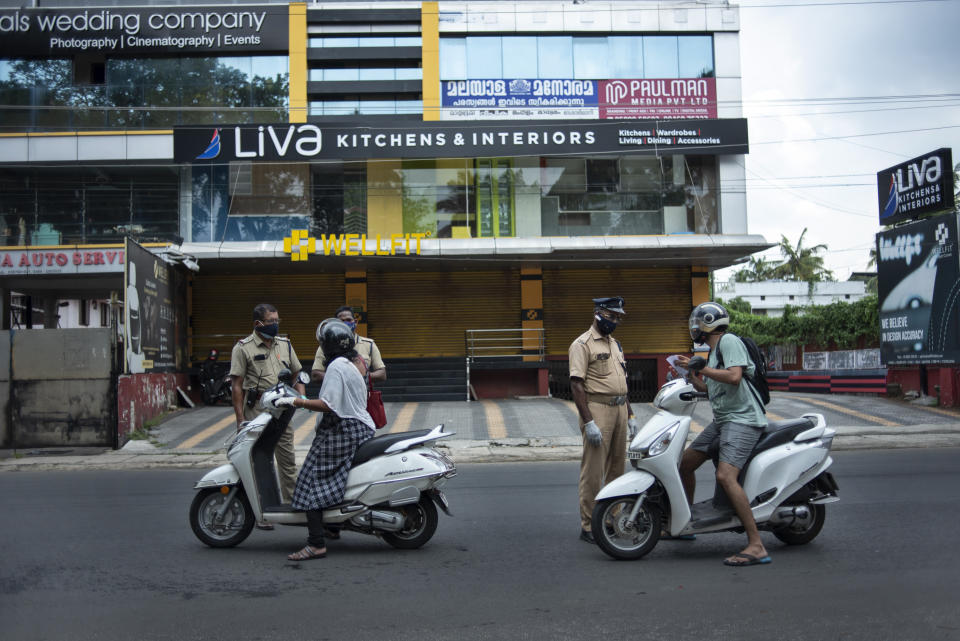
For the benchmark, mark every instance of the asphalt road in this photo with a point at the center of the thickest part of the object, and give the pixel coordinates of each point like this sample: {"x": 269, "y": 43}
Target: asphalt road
{"x": 109, "y": 555}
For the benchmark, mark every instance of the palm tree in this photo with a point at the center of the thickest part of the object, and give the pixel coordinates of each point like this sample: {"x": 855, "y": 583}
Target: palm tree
{"x": 802, "y": 263}
{"x": 758, "y": 269}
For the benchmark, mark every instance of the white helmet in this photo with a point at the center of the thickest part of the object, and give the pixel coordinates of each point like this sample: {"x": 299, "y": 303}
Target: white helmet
{"x": 706, "y": 318}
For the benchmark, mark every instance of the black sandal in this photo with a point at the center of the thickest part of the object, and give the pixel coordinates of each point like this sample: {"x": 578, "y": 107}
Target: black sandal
{"x": 307, "y": 553}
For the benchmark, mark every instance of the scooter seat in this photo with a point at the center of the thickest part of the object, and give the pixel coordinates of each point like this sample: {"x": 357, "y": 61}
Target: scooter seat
{"x": 379, "y": 444}
{"x": 780, "y": 432}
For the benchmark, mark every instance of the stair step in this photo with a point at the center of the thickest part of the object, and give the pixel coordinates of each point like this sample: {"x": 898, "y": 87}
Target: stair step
{"x": 420, "y": 397}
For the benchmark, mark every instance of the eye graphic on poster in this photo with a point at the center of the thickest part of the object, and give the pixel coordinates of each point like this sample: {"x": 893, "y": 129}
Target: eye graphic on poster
{"x": 918, "y": 272}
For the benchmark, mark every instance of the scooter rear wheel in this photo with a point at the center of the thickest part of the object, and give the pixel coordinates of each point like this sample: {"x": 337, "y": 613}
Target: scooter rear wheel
{"x": 802, "y": 531}
{"x": 237, "y": 522}
{"x": 619, "y": 540}
{"x": 419, "y": 526}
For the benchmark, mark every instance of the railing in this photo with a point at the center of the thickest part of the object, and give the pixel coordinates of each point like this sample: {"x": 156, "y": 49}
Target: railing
{"x": 525, "y": 344}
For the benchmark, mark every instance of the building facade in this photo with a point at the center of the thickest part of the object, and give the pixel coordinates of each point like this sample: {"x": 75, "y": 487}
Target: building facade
{"x": 446, "y": 168}
{"x": 771, "y": 297}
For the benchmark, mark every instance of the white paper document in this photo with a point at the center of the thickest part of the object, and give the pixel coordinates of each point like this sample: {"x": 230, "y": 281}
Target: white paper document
{"x": 682, "y": 371}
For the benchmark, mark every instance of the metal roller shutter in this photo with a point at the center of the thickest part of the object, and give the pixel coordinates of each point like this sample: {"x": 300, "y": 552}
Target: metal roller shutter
{"x": 657, "y": 302}
{"x": 223, "y": 308}
{"x": 418, "y": 315}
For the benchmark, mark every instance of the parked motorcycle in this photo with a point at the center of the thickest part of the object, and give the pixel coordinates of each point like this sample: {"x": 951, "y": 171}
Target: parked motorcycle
{"x": 785, "y": 479}
{"x": 393, "y": 488}
{"x": 215, "y": 383}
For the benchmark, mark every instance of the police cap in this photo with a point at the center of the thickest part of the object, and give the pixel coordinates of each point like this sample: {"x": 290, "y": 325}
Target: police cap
{"x": 614, "y": 304}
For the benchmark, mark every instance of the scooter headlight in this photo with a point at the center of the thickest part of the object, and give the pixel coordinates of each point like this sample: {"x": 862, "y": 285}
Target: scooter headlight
{"x": 656, "y": 444}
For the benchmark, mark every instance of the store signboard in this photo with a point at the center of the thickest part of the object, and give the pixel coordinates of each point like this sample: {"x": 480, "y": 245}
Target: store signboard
{"x": 310, "y": 142}
{"x": 529, "y": 98}
{"x": 142, "y": 30}
{"x": 923, "y": 185}
{"x": 154, "y": 313}
{"x": 659, "y": 98}
{"x": 918, "y": 278}
{"x": 550, "y": 99}
{"x": 60, "y": 260}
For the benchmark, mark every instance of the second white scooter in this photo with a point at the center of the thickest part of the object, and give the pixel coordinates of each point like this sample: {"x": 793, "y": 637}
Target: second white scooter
{"x": 785, "y": 479}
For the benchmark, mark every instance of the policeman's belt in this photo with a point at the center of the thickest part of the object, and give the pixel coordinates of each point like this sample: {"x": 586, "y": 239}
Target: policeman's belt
{"x": 606, "y": 399}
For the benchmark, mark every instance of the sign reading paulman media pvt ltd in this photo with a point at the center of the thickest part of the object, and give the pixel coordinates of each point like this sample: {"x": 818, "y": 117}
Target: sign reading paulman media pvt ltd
{"x": 920, "y": 186}
{"x": 117, "y": 30}
{"x": 307, "y": 142}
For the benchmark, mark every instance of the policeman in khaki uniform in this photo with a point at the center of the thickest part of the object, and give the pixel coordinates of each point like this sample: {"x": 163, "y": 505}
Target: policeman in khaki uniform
{"x": 255, "y": 366}
{"x": 365, "y": 347}
{"x": 598, "y": 380}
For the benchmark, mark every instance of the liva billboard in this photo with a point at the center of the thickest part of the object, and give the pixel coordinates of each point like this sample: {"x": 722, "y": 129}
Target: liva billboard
{"x": 918, "y": 281}
{"x": 917, "y": 187}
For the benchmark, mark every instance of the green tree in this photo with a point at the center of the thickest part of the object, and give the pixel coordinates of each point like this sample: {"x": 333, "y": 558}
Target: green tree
{"x": 757, "y": 270}
{"x": 802, "y": 263}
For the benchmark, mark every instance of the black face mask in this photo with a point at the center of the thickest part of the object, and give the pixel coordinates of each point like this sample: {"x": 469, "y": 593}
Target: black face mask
{"x": 605, "y": 326}
{"x": 269, "y": 331}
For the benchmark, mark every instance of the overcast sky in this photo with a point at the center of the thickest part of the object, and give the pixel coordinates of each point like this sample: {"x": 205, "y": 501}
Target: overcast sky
{"x": 839, "y": 73}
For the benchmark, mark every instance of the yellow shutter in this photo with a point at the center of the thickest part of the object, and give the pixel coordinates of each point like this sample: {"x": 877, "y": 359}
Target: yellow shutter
{"x": 223, "y": 305}
{"x": 657, "y": 302}
{"x": 425, "y": 314}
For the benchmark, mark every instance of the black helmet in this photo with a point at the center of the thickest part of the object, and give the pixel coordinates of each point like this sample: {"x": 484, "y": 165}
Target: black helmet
{"x": 706, "y": 318}
{"x": 335, "y": 338}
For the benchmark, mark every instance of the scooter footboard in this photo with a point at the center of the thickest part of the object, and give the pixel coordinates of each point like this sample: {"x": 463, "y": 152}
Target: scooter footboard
{"x": 633, "y": 482}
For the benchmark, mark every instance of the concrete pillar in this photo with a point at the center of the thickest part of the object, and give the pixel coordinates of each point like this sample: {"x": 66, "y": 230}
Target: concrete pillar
{"x": 50, "y": 312}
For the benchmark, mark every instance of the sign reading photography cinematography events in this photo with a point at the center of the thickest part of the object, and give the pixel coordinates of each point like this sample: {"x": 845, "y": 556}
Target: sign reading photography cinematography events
{"x": 158, "y": 29}
{"x": 918, "y": 274}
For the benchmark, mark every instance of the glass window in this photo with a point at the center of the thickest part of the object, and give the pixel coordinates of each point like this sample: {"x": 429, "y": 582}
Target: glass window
{"x": 378, "y": 107}
{"x": 519, "y": 57}
{"x": 376, "y": 74}
{"x": 625, "y": 55}
{"x": 339, "y": 42}
{"x": 341, "y": 107}
{"x": 335, "y": 75}
{"x": 484, "y": 57}
{"x": 590, "y": 58}
{"x": 377, "y": 42}
{"x": 409, "y": 73}
{"x": 555, "y": 57}
{"x": 696, "y": 56}
{"x": 409, "y": 106}
{"x": 453, "y": 59}
{"x": 408, "y": 41}
{"x": 660, "y": 57}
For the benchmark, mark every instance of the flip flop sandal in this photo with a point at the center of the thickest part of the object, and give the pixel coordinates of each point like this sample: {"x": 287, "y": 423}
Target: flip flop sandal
{"x": 306, "y": 554}
{"x": 747, "y": 559}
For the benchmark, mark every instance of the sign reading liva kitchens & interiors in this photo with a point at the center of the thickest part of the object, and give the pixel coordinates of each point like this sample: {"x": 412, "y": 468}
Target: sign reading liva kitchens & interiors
{"x": 138, "y": 30}
{"x": 307, "y": 142}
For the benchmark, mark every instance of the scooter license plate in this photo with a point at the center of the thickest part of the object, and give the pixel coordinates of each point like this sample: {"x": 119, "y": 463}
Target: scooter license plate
{"x": 443, "y": 500}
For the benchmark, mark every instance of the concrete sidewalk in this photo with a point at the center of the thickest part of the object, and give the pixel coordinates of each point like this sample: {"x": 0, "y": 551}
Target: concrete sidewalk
{"x": 143, "y": 455}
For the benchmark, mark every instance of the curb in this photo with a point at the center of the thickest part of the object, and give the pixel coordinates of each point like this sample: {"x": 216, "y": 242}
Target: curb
{"x": 140, "y": 455}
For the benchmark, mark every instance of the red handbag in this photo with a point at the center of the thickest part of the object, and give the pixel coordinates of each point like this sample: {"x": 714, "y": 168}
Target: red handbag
{"x": 375, "y": 405}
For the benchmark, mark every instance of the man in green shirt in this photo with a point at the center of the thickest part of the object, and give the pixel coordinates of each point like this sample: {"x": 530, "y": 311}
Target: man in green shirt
{"x": 738, "y": 419}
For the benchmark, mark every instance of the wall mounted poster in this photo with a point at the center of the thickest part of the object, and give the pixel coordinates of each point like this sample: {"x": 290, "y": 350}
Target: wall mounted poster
{"x": 918, "y": 272}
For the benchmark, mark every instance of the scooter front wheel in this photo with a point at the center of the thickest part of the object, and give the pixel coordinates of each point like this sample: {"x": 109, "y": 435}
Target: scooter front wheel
{"x": 227, "y": 531}
{"x": 419, "y": 525}
{"x": 618, "y": 538}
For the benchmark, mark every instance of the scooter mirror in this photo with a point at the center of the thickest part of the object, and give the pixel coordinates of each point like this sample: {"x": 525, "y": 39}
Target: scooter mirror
{"x": 285, "y": 376}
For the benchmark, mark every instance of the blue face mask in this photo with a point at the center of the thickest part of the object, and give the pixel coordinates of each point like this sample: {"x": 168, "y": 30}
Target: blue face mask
{"x": 269, "y": 331}
{"x": 605, "y": 326}
{"x": 351, "y": 324}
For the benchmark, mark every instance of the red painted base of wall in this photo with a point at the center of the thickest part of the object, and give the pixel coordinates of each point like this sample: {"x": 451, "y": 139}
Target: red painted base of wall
{"x": 509, "y": 383}
{"x": 943, "y": 381}
{"x": 141, "y": 397}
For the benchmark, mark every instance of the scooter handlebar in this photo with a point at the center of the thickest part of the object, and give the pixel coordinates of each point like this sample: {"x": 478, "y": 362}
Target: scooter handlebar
{"x": 693, "y": 396}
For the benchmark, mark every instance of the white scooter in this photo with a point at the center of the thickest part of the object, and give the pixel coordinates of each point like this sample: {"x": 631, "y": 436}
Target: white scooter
{"x": 392, "y": 488}
{"x": 785, "y": 479}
